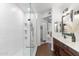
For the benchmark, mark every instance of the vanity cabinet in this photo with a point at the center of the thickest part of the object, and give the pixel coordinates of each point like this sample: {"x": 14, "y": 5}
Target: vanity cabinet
{"x": 60, "y": 49}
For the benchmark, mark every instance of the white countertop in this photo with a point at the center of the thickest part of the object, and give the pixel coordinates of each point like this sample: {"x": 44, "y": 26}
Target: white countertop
{"x": 68, "y": 42}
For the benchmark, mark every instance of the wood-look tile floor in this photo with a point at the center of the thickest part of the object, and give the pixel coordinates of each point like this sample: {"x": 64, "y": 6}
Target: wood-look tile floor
{"x": 43, "y": 50}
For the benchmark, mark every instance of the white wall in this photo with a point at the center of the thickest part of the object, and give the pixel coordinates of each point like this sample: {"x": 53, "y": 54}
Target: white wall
{"x": 38, "y": 31}
{"x": 49, "y": 27}
{"x": 11, "y": 29}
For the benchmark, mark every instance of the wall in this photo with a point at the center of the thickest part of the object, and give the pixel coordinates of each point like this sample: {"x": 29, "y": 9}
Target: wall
{"x": 11, "y": 29}
{"x": 38, "y": 31}
{"x": 49, "y": 27}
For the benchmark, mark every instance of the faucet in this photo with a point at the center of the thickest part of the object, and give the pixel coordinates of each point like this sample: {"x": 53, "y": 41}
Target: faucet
{"x": 72, "y": 35}
{"x": 73, "y": 38}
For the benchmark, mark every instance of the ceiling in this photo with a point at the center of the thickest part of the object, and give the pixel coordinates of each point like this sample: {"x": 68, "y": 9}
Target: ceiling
{"x": 23, "y": 6}
{"x": 37, "y": 7}
{"x": 41, "y": 7}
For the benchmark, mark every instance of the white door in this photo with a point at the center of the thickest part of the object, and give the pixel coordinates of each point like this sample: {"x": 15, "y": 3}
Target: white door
{"x": 44, "y": 31}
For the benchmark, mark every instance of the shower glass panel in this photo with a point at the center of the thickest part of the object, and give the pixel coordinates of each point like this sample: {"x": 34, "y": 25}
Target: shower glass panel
{"x": 26, "y": 51}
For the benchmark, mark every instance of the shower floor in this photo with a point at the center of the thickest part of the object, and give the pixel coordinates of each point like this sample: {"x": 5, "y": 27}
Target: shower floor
{"x": 27, "y": 52}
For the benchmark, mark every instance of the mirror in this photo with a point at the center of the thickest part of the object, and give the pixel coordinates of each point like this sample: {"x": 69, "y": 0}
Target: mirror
{"x": 57, "y": 26}
{"x": 67, "y": 20}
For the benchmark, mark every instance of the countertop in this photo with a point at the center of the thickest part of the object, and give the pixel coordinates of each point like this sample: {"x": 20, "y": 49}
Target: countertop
{"x": 67, "y": 41}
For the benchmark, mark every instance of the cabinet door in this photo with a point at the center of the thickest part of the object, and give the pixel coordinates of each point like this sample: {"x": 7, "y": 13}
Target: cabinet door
{"x": 56, "y": 50}
{"x": 61, "y": 49}
{"x": 62, "y": 52}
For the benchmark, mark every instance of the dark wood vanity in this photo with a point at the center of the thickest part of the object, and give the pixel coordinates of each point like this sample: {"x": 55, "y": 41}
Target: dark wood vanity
{"x": 60, "y": 49}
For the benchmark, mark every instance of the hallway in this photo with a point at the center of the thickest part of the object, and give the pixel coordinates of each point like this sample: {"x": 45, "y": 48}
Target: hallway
{"x": 43, "y": 50}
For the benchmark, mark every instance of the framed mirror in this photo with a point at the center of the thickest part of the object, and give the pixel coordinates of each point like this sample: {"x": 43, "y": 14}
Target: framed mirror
{"x": 67, "y": 18}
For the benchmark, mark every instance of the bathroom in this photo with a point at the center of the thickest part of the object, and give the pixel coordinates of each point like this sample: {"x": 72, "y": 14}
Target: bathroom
{"x": 24, "y": 29}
